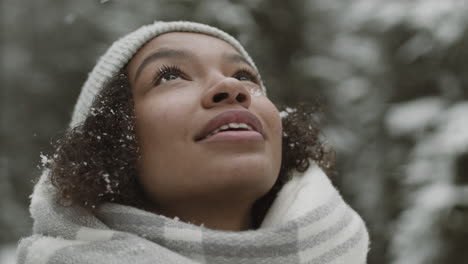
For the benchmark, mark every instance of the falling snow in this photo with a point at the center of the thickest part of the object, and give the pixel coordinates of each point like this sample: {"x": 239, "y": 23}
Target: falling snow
{"x": 70, "y": 18}
{"x": 286, "y": 112}
{"x": 105, "y": 176}
{"x": 255, "y": 92}
{"x": 45, "y": 160}
{"x": 398, "y": 123}
{"x": 283, "y": 114}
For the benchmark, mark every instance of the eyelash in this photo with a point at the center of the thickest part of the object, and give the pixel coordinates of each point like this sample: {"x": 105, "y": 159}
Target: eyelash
{"x": 164, "y": 70}
{"x": 251, "y": 74}
{"x": 173, "y": 69}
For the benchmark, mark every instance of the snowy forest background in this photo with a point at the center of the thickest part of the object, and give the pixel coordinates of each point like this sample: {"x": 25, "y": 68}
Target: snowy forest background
{"x": 393, "y": 76}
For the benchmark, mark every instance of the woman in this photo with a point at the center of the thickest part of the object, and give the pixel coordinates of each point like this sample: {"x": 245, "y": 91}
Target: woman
{"x": 176, "y": 155}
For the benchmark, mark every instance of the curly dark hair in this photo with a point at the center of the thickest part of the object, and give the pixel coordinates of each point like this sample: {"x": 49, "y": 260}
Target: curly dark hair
{"x": 96, "y": 161}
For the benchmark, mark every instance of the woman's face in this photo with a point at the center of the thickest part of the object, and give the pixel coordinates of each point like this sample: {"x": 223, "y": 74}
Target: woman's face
{"x": 205, "y": 129}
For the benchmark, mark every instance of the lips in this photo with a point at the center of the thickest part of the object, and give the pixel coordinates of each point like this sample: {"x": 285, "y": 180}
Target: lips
{"x": 227, "y": 117}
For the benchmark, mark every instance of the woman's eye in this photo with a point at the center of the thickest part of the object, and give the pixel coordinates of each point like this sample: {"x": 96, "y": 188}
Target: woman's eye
{"x": 169, "y": 77}
{"x": 247, "y": 75}
{"x": 244, "y": 78}
{"x": 167, "y": 74}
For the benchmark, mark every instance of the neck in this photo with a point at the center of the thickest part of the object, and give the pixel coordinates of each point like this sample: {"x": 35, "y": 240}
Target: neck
{"x": 213, "y": 215}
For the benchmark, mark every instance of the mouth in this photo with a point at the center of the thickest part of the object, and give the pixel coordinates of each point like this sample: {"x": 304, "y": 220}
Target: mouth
{"x": 232, "y": 125}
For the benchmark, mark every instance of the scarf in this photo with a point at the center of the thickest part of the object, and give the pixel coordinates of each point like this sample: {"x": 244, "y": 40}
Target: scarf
{"x": 308, "y": 223}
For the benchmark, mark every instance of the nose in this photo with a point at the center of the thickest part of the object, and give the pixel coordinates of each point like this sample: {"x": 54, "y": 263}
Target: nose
{"x": 227, "y": 91}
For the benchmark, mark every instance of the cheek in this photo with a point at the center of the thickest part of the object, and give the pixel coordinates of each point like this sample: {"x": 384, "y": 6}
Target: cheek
{"x": 273, "y": 125}
{"x": 163, "y": 123}
{"x": 154, "y": 128}
{"x": 158, "y": 118}
{"x": 278, "y": 134}
{"x": 157, "y": 125}
{"x": 273, "y": 120}
{"x": 148, "y": 118}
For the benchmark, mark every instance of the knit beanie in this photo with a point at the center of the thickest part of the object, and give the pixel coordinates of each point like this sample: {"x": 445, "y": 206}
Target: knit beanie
{"x": 122, "y": 50}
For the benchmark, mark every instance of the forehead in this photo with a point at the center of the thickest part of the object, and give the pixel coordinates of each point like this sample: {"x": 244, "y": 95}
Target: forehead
{"x": 196, "y": 43}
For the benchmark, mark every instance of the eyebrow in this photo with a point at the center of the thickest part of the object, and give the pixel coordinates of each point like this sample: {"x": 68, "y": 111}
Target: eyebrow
{"x": 186, "y": 55}
{"x": 164, "y": 53}
{"x": 233, "y": 57}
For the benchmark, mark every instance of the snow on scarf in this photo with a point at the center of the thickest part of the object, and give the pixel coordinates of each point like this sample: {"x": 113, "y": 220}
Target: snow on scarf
{"x": 308, "y": 223}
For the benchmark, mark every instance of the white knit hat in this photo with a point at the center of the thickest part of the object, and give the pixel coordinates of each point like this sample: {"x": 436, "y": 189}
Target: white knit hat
{"x": 121, "y": 51}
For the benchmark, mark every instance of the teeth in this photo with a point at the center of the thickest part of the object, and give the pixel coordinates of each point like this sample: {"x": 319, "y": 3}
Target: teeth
{"x": 242, "y": 125}
{"x": 230, "y": 125}
{"x": 215, "y": 131}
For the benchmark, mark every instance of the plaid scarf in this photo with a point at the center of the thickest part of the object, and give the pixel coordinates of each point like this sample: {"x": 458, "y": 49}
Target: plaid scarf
{"x": 308, "y": 223}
